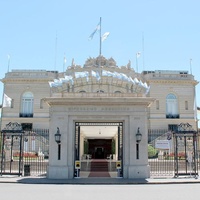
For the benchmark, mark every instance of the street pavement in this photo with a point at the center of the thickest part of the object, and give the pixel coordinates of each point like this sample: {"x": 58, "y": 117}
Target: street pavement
{"x": 116, "y": 181}
{"x": 10, "y": 191}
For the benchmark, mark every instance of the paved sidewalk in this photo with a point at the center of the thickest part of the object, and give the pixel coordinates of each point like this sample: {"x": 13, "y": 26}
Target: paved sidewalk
{"x": 117, "y": 181}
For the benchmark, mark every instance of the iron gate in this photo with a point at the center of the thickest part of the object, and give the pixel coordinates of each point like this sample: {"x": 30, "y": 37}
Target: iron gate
{"x": 11, "y": 143}
{"x": 185, "y": 151}
{"x": 160, "y": 153}
{"x": 24, "y": 152}
{"x": 168, "y": 152}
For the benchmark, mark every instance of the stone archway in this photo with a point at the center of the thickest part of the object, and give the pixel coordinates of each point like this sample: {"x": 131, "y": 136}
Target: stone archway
{"x": 66, "y": 111}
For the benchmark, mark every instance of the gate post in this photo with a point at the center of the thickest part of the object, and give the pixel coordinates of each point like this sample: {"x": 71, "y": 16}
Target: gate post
{"x": 2, "y": 152}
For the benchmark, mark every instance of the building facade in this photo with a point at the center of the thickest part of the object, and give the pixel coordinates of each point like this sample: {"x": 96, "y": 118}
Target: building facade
{"x": 99, "y": 95}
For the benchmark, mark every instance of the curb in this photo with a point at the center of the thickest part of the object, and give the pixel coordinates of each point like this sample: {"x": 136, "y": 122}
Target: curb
{"x": 94, "y": 181}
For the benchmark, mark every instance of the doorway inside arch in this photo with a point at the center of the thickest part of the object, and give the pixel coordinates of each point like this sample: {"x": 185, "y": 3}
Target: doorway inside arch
{"x": 98, "y": 149}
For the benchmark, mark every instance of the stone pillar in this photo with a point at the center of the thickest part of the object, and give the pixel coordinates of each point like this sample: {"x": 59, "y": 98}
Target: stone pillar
{"x": 58, "y": 169}
{"x": 138, "y": 167}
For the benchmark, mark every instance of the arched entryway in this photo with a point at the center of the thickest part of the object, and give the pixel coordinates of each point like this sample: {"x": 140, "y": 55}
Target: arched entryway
{"x": 98, "y": 149}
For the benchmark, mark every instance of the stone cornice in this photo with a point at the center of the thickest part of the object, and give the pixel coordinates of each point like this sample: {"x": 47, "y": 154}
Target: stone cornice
{"x": 25, "y": 80}
{"x": 178, "y": 81}
{"x": 98, "y": 100}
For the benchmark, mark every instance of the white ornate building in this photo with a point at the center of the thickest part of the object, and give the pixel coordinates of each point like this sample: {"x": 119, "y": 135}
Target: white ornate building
{"x": 100, "y": 93}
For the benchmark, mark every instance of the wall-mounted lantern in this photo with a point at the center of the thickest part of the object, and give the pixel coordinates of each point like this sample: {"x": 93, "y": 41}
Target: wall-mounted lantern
{"x": 58, "y": 141}
{"x": 58, "y": 136}
{"x": 138, "y": 140}
{"x": 138, "y": 136}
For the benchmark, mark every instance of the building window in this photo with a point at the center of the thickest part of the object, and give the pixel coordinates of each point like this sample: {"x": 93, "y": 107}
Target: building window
{"x": 27, "y": 126}
{"x": 186, "y": 105}
{"x": 27, "y": 105}
{"x": 82, "y": 91}
{"x": 173, "y": 127}
{"x": 117, "y": 92}
{"x": 171, "y": 106}
{"x": 100, "y": 91}
{"x": 157, "y": 105}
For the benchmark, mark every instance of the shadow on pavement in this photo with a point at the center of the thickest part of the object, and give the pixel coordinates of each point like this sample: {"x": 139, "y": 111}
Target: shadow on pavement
{"x": 105, "y": 181}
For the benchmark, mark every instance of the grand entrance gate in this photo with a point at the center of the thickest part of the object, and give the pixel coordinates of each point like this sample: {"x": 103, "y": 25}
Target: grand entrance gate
{"x": 92, "y": 148}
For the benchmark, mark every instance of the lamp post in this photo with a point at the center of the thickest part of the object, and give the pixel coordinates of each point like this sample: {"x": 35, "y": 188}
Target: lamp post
{"x": 138, "y": 140}
{"x": 58, "y": 141}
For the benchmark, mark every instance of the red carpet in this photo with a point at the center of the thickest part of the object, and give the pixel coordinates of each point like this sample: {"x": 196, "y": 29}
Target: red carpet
{"x": 99, "y": 174}
{"x": 99, "y": 168}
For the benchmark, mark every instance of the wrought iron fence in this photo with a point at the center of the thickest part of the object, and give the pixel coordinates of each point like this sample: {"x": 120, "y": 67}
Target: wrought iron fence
{"x": 26, "y": 153}
{"x": 160, "y": 149}
{"x": 161, "y": 153}
{"x": 36, "y": 151}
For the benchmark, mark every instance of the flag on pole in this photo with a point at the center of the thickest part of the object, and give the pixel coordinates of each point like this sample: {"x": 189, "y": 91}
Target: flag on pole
{"x": 7, "y": 101}
{"x": 93, "y": 33}
{"x": 65, "y": 60}
{"x": 96, "y": 75}
{"x": 138, "y": 54}
{"x": 105, "y": 35}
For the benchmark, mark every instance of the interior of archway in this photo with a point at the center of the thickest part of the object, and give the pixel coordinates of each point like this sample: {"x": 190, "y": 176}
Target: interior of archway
{"x": 98, "y": 142}
{"x": 98, "y": 151}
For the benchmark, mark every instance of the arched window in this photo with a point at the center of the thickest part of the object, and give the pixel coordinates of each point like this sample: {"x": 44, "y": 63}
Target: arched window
{"x": 171, "y": 106}
{"x": 27, "y": 105}
{"x": 100, "y": 91}
{"x": 82, "y": 91}
{"x": 117, "y": 92}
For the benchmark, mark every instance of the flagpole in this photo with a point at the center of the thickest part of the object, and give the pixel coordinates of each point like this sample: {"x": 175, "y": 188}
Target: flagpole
{"x": 64, "y": 63}
{"x": 190, "y": 66}
{"x": 100, "y": 37}
{"x": 8, "y": 63}
{"x": 136, "y": 63}
{"x": 137, "y": 56}
{"x": 55, "y": 62}
{"x": 143, "y": 51}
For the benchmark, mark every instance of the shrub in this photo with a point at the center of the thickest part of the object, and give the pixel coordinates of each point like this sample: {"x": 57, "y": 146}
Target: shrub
{"x": 152, "y": 152}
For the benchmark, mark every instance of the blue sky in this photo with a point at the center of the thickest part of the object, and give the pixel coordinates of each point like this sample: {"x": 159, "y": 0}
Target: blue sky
{"x": 36, "y": 34}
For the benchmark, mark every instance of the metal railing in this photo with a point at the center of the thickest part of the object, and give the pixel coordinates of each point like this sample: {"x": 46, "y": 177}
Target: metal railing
{"x": 35, "y": 153}
{"x": 161, "y": 154}
{"x": 31, "y": 158}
